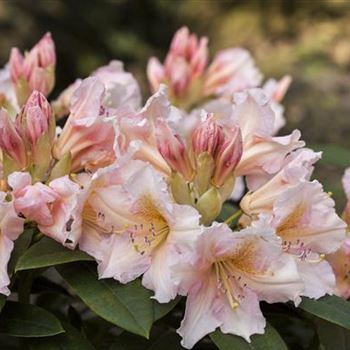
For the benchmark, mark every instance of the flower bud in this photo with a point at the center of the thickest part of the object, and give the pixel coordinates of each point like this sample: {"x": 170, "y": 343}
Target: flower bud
{"x": 207, "y": 137}
{"x": 209, "y": 206}
{"x": 155, "y": 73}
{"x": 11, "y": 143}
{"x": 173, "y": 150}
{"x": 34, "y": 71}
{"x": 229, "y": 155}
{"x": 36, "y": 119}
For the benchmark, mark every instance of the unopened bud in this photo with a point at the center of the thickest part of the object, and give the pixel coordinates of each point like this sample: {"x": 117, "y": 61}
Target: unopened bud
{"x": 209, "y": 206}
{"x": 36, "y": 119}
{"x": 173, "y": 150}
{"x": 180, "y": 189}
{"x": 207, "y": 137}
{"x": 11, "y": 143}
{"x": 228, "y": 157}
{"x": 35, "y": 71}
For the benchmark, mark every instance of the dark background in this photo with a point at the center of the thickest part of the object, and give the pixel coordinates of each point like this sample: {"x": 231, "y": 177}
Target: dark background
{"x": 308, "y": 39}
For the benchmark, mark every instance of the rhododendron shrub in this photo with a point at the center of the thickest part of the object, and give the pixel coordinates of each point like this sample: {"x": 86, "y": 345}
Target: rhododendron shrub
{"x": 185, "y": 218}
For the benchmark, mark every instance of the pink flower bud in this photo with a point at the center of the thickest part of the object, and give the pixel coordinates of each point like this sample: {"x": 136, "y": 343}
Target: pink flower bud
{"x": 228, "y": 157}
{"x": 35, "y": 118}
{"x": 46, "y": 51}
{"x": 16, "y": 64}
{"x": 185, "y": 62}
{"x": 11, "y": 142}
{"x": 173, "y": 150}
{"x": 207, "y": 137}
{"x": 34, "y": 71}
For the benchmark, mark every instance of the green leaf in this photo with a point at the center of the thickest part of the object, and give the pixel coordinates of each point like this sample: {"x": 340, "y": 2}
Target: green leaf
{"x": 330, "y": 308}
{"x": 26, "y": 320}
{"x": 21, "y": 245}
{"x": 331, "y": 336}
{"x": 48, "y": 252}
{"x": 72, "y": 339}
{"x": 160, "y": 310}
{"x": 270, "y": 340}
{"x": 334, "y": 154}
{"x": 128, "y": 306}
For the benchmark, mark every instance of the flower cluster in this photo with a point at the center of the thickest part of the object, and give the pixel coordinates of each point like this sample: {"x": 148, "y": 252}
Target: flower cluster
{"x": 140, "y": 188}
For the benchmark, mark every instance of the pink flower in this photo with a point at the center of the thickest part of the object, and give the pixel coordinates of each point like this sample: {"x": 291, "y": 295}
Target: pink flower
{"x": 263, "y": 155}
{"x": 35, "y": 70}
{"x": 340, "y": 262}
{"x": 227, "y": 275}
{"x": 276, "y": 90}
{"x": 190, "y": 81}
{"x": 121, "y": 89}
{"x": 297, "y": 167}
{"x": 88, "y": 134}
{"x": 346, "y": 185}
{"x": 305, "y": 218}
{"x": 132, "y": 227}
{"x": 56, "y": 207}
{"x": 232, "y": 70}
{"x": 11, "y": 226}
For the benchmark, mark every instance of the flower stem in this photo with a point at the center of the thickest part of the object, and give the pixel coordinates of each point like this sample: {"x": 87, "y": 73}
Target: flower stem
{"x": 234, "y": 216}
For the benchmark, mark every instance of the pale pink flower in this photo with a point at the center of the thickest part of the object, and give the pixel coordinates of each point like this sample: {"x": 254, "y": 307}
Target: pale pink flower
{"x": 297, "y": 167}
{"x": 340, "y": 262}
{"x": 276, "y": 90}
{"x": 232, "y": 70}
{"x": 346, "y": 185}
{"x": 132, "y": 227}
{"x": 305, "y": 218}
{"x": 56, "y": 208}
{"x": 35, "y": 70}
{"x": 263, "y": 154}
{"x": 227, "y": 275}
{"x": 121, "y": 89}
{"x": 88, "y": 134}
{"x": 141, "y": 129}
{"x": 11, "y": 226}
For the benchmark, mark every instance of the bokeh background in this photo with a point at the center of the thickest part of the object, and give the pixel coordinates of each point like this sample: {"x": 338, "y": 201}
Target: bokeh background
{"x": 309, "y": 40}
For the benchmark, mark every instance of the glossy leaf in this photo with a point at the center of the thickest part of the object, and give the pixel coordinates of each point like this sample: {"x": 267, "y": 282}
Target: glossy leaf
{"x": 48, "y": 252}
{"x": 330, "y": 308}
{"x": 270, "y": 340}
{"x": 72, "y": 339}
{"x": 332, "y": 337}
{"x": 21, "y": 245}
{"x": 26, "y": 320}
{"x": 128, "y": 306}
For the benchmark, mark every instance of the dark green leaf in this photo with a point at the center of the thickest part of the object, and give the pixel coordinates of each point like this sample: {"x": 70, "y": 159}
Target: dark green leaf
{"x": 72, "y": 339}
{"x": 330, "y": 308}
{"x": 271, "y": 340}
{"x": 334, "y": 154}
{"x": 332, "y": 337}
{"x": 21, "y": 245}
{"x": 128, "y": 306}
{"x": 160, "y": 310}
{"x": 26, "y": 320}
{"x": 48, "y": 252}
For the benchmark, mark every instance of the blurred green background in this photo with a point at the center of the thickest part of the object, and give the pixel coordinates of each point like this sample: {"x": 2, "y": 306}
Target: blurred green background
{"x": 309, "y": 40}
